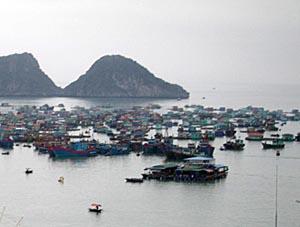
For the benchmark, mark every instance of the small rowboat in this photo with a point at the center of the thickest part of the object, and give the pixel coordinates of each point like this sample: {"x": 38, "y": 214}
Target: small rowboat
{"x": 61, "y": 180}
{"x": 95, "y": 207}
{"x": 28, "y": 171}
{"x": 134, "y": 180}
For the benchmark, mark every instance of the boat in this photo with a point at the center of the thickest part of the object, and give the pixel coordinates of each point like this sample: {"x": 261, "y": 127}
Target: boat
{"x": 287, "y": 137}
{"x": 5, "y": 153}
{"x": 28, "y": 171}
{"x": 200, "y": 169}
{"x": 230, "y": 132}
{"x": 159, "y": 172}
{"x": 116, "y": 149}
{"x": 6, "y": 143}
{"x": 95, "y": 207}
{"x": 195, "y": 169}
{"x": 180, "y": 153}
{"x": 205, "y": 149}
{"x": 134, "y": 180}
{"x": 156, "y": 147}
{"x": 76, "y": 149}
{"x": 255, "y": 136}
{"x": 273, "y": 144}
{"x": 234, "y": 145}
{"x": 297, "y": 138}
{"x": 219, "y": 133}
{"x": 61, "y": 180}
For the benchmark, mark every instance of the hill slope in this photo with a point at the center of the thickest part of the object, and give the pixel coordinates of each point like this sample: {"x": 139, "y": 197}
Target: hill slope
{"x": 117, "y": 76}
{"x": 20, "y": 75}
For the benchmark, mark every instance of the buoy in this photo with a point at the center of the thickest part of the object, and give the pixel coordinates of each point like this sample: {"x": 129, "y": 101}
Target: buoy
{"x": 61, "y": 180}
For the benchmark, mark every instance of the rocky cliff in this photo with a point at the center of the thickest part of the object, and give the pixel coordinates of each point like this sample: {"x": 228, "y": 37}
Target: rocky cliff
{"x": 20, "y": 75}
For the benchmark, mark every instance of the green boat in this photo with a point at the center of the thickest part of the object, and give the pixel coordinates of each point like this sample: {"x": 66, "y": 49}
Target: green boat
{"x": 273, "y": 144}
{"x": 288, "y": 137}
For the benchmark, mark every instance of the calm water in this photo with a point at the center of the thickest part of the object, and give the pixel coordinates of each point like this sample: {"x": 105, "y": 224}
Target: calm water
{"x": 245, "y": 198}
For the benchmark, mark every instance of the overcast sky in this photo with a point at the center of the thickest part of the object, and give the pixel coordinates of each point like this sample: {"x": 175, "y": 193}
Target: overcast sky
{"x": 188, "y": 42}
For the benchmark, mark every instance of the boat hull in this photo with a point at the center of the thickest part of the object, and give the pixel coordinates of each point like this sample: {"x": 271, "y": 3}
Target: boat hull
{"x": 61, "y": 152}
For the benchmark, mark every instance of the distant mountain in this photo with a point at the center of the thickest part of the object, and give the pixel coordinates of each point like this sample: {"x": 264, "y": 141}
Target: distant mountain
{"x": 20, "y": 75}
{"x": 117, "y": 76}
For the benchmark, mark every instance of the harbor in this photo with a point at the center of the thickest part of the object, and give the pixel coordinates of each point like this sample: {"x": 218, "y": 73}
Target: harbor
{"x": 101, "y": 176}
{"x": 149, "y": 113}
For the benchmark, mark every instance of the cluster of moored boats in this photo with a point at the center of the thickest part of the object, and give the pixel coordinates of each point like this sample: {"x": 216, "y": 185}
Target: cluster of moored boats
{"x": 62, "y": 133}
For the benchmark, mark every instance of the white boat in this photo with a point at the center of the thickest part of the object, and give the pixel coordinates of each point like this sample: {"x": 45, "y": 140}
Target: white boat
{"x": 95, "y": 207}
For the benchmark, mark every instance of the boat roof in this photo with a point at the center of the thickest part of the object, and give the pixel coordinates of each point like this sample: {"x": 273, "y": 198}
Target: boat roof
{"x": 199, "y": 158}
{"x": 164, "y": 166}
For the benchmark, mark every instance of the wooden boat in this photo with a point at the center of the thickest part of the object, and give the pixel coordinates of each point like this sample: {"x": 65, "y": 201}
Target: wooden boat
{"x": 235, "y": 145}
{"x": 134, "y": 180}
{"x": 28, "y": 171}
{"x": 61, "y": 180}
{"x": 255, "y": 136}
{"x": 95, "y": 207}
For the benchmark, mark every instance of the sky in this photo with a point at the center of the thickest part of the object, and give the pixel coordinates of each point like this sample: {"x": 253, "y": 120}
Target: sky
{"x": 189, "y": 42}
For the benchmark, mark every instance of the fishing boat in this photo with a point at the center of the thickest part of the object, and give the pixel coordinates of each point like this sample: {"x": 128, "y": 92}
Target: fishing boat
{"x": 255, "y": 136}
{"x": 156, "y": 147}
{"x": 273, "y": 144}
{"x": 205, "y": 149}
{"x": 230, "y": 132}
{"x": 297, "y": 138}
{"x": 287, "y": 137}
{"x": 117, "y": 150}
{"x": 219, "y": 133}
{"x": 134, "y": 180}
{"x": 28, "y": 171}
{"x": 179, "y": 153}
{"x": 95, "y": 207}
{"x": 234, "y": 145}
{"x": 6, "y": 143}
{"x": 76, "y": 149}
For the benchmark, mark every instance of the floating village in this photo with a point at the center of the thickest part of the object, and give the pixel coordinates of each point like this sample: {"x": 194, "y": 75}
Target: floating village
{"x": 146, "y": 131}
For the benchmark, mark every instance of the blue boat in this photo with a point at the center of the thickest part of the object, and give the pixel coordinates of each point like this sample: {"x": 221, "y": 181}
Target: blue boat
{"x": 6, "y": 143}
{"x": 117, "y": 150}
{"x": 205, "y": 149}
{"x": 78, "y": 149}
{"x": 219, "y": 133}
